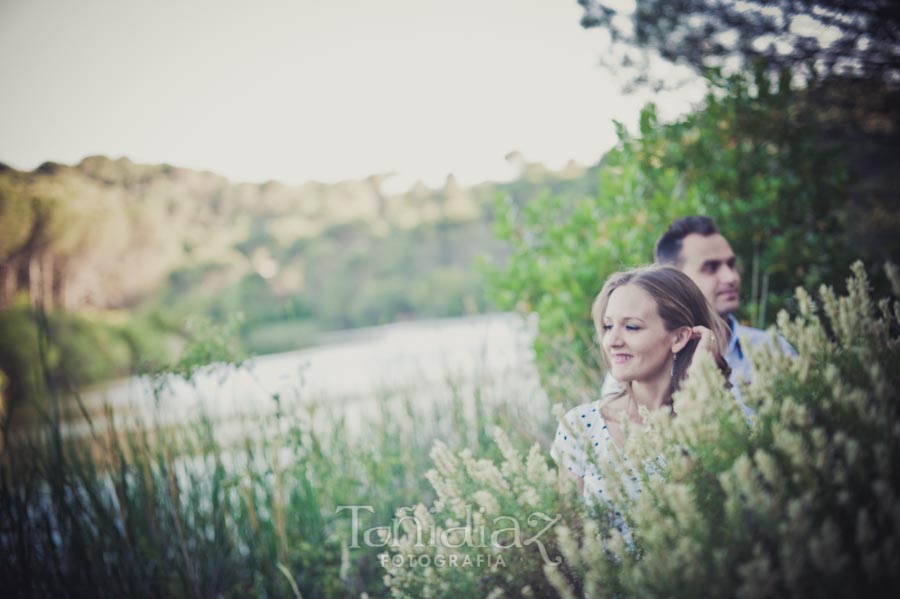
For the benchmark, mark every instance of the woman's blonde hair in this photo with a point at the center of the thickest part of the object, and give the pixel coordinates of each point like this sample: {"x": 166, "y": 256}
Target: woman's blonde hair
{"x": 679, "y": 302}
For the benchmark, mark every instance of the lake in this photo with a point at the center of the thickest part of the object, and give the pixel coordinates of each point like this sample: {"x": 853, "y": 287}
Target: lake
{"x": 343, "y": 376}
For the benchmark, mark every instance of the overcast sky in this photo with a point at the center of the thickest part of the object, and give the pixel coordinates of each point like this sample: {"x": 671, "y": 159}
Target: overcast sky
{"x": 309, "y": 89}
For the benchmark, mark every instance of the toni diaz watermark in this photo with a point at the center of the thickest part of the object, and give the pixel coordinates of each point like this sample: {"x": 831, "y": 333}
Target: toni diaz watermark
{"x": 499, "y": 534}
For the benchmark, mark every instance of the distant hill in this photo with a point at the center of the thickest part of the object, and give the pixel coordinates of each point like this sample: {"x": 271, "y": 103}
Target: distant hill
{"x": 109, "y": 233}
{"x": 133, "y": 261}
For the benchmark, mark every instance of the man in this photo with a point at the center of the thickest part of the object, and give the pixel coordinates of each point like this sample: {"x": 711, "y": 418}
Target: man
{"x": 694, "y": 246}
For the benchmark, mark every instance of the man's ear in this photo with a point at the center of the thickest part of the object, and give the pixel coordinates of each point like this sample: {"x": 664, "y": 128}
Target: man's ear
{"x": 681, "y": 336}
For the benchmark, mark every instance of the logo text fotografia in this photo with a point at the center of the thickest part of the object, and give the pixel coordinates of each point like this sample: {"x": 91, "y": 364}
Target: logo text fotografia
{"x": 500, "y": 534}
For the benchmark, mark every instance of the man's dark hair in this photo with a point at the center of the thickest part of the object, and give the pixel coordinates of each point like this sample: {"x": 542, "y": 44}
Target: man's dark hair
{"x": 668, "y": 247}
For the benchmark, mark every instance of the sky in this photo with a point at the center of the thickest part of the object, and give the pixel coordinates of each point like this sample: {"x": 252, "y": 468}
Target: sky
{"x": 311, "y": 89}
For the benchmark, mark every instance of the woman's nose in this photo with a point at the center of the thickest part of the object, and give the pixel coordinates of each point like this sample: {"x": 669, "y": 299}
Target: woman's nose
{"x": 613, "y": 338}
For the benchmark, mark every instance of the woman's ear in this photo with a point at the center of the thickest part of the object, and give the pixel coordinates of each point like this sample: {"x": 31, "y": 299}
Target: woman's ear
{"x": 680, "y": 338}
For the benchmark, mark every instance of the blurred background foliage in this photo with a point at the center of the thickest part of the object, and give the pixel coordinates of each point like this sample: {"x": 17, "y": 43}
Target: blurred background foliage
{"x": 133, "y": 251}
{"x": 122, "y": 256}
{"x": 749, "y": 157}
{"x": 795, "y": 152}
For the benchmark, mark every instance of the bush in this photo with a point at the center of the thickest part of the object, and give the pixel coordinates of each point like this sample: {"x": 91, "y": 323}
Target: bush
{"x": 67, "y": 349}
{"x": 485, "y": 535}
{"x": 749, "y": 158}
{"x": 802, "y": 503}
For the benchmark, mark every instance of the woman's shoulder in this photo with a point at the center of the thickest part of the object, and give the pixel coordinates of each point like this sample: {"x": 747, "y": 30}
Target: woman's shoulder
{"x": 578, "y": 430}
{"x": 585, "y": 414}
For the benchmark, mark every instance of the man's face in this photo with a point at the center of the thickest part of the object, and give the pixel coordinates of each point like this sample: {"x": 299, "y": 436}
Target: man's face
{"x": 709, "y": 261}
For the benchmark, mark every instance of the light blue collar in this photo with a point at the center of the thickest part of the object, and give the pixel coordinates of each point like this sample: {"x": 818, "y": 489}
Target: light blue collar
{"x": 733, "y": 342}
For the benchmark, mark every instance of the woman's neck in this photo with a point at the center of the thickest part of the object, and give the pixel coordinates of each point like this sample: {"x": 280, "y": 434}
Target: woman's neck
{"x": 651, "y": 394}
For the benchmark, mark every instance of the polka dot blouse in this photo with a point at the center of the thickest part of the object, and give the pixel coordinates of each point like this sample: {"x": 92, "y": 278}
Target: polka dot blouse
{"x": 591, "y": 439}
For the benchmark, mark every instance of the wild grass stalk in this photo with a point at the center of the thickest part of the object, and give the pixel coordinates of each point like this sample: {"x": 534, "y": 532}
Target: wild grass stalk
{"x": 160, "y": 511}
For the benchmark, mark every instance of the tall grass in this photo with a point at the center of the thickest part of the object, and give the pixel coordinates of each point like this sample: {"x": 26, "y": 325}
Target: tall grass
{"x": 147, "y": 511}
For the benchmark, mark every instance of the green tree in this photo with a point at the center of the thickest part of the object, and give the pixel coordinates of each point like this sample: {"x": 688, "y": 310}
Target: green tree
{"x": 747, "y": 158}
{"x": 841, "y": 38}
{"x": 843, "y": 56}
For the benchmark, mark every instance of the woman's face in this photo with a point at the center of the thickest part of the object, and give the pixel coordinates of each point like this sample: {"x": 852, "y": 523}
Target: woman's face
{"x": 634, "y": 338}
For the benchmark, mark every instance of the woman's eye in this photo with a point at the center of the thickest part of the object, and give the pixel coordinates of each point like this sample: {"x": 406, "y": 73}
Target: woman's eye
{"x": 632, "y": 327}
{"x": 607, "y": 327}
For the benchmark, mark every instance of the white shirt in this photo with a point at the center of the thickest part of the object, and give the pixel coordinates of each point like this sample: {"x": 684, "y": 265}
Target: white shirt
{"x": 589, "y": 449}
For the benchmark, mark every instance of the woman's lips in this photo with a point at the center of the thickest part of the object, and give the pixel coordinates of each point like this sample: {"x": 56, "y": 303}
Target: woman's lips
{"x": 621, "y": 358}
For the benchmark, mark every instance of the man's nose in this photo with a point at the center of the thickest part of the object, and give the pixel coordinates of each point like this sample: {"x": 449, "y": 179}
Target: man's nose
{"x": 728, "y": 275}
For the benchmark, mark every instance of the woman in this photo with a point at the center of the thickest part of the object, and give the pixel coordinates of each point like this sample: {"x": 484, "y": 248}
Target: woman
{"x": 650, "y": 323}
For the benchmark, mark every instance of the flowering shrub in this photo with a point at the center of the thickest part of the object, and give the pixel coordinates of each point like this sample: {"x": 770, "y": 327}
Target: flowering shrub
{"x": 487, "y": 534}
{"x": 803, "y": 501}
